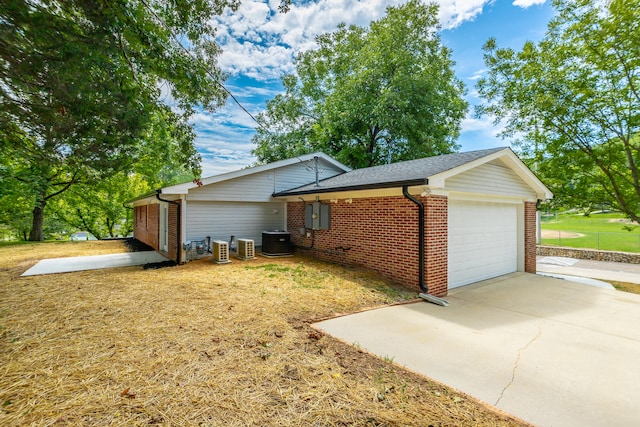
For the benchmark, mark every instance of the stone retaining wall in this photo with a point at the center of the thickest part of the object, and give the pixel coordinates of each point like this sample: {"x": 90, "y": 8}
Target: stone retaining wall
{"x": 590, "y": 254}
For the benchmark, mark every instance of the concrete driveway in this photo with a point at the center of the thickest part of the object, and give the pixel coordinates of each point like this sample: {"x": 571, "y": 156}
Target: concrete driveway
{"x": 549, "y": 351}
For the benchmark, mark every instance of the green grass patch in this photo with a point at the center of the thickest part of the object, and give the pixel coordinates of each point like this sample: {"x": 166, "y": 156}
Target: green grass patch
{"x": 302, "y": 276}
{"x": 633, "y": 288}
{"x": 607, "y": 231}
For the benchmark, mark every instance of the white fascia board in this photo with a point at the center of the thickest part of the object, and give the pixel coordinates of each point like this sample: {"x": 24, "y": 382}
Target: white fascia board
{"x": 362, "y": 194}
{"x": 146, "y": 201}
{"x": 514, "y": 162}
{"x": 510, "y": 159}
{"x": 185, "y": 187}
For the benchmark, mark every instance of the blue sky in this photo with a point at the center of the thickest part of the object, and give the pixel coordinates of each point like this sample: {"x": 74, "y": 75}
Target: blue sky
{"x": 259, "y": 46}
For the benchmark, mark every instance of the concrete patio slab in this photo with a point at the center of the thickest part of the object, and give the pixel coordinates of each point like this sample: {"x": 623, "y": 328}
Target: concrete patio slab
{"x": 93, "y": 262}
{"x": 550, "y": 351}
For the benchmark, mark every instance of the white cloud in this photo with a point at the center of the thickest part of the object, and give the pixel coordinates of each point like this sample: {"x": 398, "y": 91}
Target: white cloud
{"x": 527, "y": 3}
{"x": 472, "y": 124}
{"x": 477, "y": 75}
{"x": 224, "y": 150}
{"x": 260, "y": 42}
{"x": 455, "y": 12}
{"x": 225, "y": 160}
{"x": 483, "y": 125}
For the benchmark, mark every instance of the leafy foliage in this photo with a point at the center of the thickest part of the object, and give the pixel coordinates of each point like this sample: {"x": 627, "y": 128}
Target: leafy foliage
{"x": 369, "y": 95}
{"x": 80, "y": 89}
{"x": 572, "y": 101}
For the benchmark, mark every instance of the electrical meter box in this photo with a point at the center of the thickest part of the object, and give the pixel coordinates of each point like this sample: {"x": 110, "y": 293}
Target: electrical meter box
{"x": 317, "y": 216}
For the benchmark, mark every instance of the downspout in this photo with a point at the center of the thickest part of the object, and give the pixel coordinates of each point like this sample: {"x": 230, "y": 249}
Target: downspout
{"x": 405, "y": 193}
{"x": 423, "y": 286}
{"x": 179, "y": 223}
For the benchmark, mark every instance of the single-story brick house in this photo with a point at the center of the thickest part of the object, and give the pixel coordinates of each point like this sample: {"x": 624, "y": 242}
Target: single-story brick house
{"x": 434, "y": 223}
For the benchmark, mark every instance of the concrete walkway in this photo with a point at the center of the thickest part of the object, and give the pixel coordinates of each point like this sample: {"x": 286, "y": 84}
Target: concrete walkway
{"x": 550, "y": 351}
{"x": 93, "y": 262}
{"x": 616, "y": 271}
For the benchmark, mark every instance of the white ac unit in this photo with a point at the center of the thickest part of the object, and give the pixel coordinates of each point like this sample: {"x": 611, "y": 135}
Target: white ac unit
{"x": 246, "y": 249}
{"x": 220, "y": 252}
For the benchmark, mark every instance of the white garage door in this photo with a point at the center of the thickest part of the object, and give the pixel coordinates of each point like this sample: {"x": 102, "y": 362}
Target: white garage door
{"x": 483, "y": 241}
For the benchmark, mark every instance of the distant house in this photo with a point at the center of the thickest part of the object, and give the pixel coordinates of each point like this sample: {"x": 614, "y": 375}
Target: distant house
{"x": 477, "y": 210}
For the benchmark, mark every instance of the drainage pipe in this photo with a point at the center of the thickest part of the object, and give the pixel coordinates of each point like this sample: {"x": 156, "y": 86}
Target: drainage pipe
{"x": 405, "y": 192}
{"x": 179, "y": 224}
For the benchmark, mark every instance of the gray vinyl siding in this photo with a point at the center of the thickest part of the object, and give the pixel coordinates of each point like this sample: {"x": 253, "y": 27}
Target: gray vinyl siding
{"x": 259, "y": 187}
{"x": 490, "y": 178}
{"x": 220, "y": 220}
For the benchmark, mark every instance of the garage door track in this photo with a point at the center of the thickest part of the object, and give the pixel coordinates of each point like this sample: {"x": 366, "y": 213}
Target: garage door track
{"x": 550, "y": 351}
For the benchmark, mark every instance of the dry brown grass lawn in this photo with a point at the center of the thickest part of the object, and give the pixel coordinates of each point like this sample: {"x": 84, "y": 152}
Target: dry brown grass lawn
{"x": 202, "y": 344}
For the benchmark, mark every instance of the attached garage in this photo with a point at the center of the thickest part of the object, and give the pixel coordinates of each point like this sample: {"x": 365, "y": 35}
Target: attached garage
{"x": 483, "y": 241}
{"x": 434, "y": 224}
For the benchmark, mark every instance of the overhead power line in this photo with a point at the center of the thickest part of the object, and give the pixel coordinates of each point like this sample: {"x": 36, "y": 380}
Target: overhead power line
{"x": 202, "y": 65}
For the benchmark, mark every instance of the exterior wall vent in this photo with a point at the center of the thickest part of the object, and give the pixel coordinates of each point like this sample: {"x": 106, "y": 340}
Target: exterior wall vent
{"x": 220, "y": 252}
{"x": 246, "y": 249}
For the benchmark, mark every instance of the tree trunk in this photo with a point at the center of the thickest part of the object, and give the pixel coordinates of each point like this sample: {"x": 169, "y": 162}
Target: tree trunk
{"x": 37, "y": 234}
{"x": 110, "y": 226}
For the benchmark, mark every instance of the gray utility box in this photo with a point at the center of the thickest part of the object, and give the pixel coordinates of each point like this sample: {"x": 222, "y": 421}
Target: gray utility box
{"x": 317, "y": 216}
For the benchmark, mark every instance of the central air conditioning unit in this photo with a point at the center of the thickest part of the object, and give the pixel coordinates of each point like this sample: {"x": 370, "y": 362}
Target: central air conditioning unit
{"x": 220, "y": 252}
{"x": 276, "y": 243}
{"x": 246, "y": 249}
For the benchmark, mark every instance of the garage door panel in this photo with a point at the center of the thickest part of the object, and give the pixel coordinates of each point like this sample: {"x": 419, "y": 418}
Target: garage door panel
{"x": 483, "y": 240}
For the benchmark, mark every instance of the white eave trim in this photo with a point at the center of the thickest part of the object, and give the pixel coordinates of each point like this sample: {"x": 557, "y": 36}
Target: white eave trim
{"x": 185, "y": 187}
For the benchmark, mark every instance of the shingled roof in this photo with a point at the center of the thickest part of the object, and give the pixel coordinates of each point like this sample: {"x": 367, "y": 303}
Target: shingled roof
{"x": 411, "y": 172}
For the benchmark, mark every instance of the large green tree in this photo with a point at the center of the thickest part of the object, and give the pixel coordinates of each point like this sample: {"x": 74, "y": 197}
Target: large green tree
{"x": 572, "y": 101}
{"x": 369, "y": 95}
{"x": 80, "y": 87}
{"x": 98, "y": 206}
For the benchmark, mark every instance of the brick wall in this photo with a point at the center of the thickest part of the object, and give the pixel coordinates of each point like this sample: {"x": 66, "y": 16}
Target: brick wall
{"x": 146, "y": 228}
{"x": 381, "y": 234}
{"x": 530, "y": 237}
{"x": 146, "y": 224}
{"x": 172, "y": 238}
{"x": 436, "y": 244}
